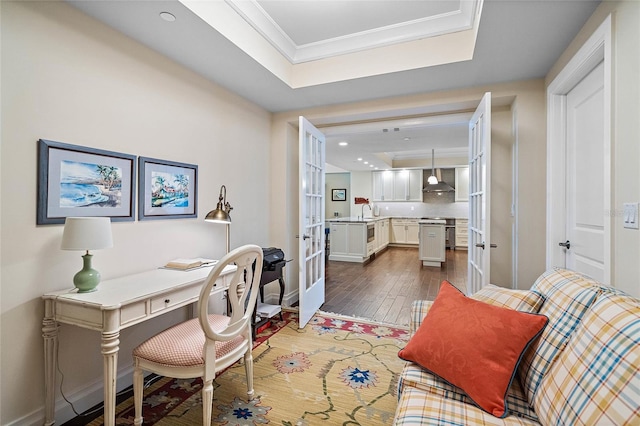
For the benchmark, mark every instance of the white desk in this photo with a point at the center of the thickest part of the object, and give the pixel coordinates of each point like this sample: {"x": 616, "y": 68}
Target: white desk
{"x": 117, "y": 304}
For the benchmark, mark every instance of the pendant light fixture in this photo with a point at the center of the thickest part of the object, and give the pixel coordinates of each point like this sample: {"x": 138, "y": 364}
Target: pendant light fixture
{"x": 432, "y": 180}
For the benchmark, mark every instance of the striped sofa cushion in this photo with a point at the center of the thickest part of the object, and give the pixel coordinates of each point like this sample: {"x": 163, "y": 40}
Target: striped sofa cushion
{"x": 417, "y": 407}
{"x": 568, "y": 295}
{"x": 415, "y": 376}
{"x": 419, "y": 309}
{"x": 596, "y": 379}
{"x": 520, "y": 300}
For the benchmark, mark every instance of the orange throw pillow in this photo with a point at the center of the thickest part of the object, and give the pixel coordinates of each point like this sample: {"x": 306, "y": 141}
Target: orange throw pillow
{"x": 473, "y": 345}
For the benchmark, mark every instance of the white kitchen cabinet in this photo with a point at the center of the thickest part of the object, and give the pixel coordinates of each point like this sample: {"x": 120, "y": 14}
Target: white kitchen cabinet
{"x": 462, "y": 234}
{"x": 415, "y": 185}
{"x": 383, "y": 185}
{"x": 398, "y": 232}
{"x": 357, "y": 239}
{"x": 432, "y": 244}
{"x": 382, "y": 234}
{"x": 413, "y": 232}
{"x": 405, "y": 231}
{"x": 377, "y": 186}
{"x": 338, "y": 237}
{"x": 407, "y": 185}
{"x": 397, "y": 185}
{"x": 348, "y": 242}
{"x": 385, "y": 232}
{"x": 462, "y": 184}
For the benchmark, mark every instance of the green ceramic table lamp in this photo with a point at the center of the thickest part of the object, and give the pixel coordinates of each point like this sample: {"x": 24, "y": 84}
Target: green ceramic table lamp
{"x": 86, "y": 233}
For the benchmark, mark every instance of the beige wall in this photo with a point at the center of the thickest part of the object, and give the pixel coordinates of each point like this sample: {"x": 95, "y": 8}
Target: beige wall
{"x": 337, "y": 181}
{"x": 625, "y": 134}
{"x": 531, "y": 133}
{"x": 68, "y": 78}
{"x": 501, "y": 197}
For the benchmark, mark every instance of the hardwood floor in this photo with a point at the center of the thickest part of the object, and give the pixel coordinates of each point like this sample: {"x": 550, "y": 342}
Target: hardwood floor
{"x": 384, "y": 289}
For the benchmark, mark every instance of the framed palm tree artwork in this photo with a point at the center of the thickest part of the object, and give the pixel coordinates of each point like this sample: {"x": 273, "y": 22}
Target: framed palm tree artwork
{"x": 168, "y": 190}
{"x": 78, "y": 181}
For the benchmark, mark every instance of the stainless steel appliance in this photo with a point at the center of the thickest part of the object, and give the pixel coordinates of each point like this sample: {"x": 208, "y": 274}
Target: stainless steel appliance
{"x": 371, "y": 232}
{"x": 450, "y": 235}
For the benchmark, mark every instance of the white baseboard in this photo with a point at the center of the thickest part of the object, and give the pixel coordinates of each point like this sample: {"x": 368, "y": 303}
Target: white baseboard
{"x": 82, "y": 399}
{"x": 287, "y": 300}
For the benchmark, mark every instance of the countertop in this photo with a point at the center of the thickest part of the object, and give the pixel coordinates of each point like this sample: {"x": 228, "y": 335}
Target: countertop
{"x": 354, "y": 219}
{"x": 432, "y": 221}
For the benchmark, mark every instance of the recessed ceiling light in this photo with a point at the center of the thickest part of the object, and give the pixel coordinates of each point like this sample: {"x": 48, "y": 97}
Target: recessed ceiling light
{"x": 359, "y": 159}
{"x": 370, "y": 165}
{"x": 169, "y": 17}
{"x": 407, "y": 139}
{"x": 343, "y": 143}
{"x": 366, "y": 162}
{"x": 376, "y": 168}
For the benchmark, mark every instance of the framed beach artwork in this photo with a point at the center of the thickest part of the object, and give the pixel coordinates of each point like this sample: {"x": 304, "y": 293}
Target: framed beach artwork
{"x": 338, "y": 195}
{"x": 79, "y": 181}
{"x": 168, "y": 190}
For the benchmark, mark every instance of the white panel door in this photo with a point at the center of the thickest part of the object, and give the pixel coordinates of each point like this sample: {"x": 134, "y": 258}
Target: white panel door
{"x": 479, "y": 196}
{"x": 585, "y": 193}
{"x": 580, "y": 206}
{"x": 311, "y": 220}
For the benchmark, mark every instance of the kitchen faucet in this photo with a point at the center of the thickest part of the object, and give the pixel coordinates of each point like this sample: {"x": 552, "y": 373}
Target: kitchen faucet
{"x": 363, "y": 210}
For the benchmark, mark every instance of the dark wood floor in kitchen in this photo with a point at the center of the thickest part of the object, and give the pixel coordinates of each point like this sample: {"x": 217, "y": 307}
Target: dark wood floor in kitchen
{"x": 383, "y": 289}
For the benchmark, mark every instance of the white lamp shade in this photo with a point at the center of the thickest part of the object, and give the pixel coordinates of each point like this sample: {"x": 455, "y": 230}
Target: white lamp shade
{"x": 86, "y": 233}
{"x": 432, "y": 180}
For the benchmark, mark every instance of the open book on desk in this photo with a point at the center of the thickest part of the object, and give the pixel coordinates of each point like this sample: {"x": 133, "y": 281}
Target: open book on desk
{"x": 188, "y": 264}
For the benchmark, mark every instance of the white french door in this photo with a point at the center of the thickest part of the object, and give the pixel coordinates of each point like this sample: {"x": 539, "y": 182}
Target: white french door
{"x": 311, "y": 220}
{"x": 479, "y": 196}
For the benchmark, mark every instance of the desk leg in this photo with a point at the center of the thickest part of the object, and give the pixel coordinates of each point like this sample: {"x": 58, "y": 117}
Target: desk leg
{"x": 50, "y": 335}
{"x": 110, "y": 347}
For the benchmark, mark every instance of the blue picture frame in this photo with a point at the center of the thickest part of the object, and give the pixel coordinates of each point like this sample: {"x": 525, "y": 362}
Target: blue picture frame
{"x": 167, "y": 189}
{"x": 74, "y": 181}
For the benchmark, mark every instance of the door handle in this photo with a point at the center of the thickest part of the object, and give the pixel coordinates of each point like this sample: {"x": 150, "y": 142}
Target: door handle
{"x": 304, "y": 237}
{"x": 481, "y": 245}
{"x": 566, "y": 245}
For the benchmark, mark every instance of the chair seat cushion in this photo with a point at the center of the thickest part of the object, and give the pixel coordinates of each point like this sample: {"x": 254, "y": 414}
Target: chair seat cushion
{"x": 182, "y": 345}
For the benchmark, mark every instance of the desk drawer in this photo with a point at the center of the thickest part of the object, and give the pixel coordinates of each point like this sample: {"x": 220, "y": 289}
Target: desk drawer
{"x": 181, "y": 297}
{"x": 175, "y": 298}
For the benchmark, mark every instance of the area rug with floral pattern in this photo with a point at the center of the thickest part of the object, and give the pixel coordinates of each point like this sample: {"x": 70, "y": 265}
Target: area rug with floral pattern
{"x": 335, "y": 371}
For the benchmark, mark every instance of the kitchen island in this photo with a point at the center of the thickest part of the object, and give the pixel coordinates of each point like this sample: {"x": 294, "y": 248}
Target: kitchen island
{"x": 356, "y": 239}
{"x": 432, "y": 242}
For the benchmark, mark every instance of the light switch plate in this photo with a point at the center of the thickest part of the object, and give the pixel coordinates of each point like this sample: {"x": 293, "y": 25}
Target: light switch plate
{"x": 630, "y": 215}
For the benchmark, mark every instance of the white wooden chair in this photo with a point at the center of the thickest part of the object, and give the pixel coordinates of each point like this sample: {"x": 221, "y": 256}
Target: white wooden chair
{"x": 203, "y": 346}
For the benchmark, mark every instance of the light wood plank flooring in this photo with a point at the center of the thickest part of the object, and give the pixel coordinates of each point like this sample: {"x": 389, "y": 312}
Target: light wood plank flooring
{"x": 384, "y": 289}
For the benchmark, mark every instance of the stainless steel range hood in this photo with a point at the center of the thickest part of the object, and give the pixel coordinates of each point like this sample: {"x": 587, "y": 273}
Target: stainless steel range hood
{"x": 438, "y": 187}
{"x": 441, "y": 186}
{"x": 436, "y": 175}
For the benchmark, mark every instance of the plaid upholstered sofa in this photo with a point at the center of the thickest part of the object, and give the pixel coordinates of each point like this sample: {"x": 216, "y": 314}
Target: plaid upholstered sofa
{"x": 583, "y": 369}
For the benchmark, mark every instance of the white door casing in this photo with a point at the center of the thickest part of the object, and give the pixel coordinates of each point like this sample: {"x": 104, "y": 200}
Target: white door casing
{"x": 311, "y": 220}
{"x": 479, "y": 255}
{"x": 579, "y": 192}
